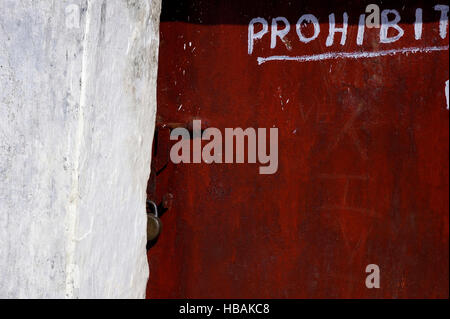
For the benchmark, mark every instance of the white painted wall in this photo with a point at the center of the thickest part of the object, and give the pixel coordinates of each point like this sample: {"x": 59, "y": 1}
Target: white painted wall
{"x": 77, "y": 111}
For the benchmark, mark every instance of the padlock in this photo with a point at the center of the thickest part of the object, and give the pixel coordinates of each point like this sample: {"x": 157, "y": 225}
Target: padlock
{"x": 153, "y": 223}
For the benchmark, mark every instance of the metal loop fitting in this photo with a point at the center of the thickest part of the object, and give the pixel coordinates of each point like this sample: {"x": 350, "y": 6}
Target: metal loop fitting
{"x": 155, "y": 207}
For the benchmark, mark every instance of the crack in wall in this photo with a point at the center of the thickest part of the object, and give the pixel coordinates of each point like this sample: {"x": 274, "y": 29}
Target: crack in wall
{"x": 72, "y": 273}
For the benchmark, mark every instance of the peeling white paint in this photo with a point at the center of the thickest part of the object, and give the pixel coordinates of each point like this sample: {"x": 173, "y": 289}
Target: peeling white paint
{"x": 446, "y": 93}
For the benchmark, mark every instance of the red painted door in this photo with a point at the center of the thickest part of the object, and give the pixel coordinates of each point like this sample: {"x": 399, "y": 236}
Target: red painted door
{"x": 363, "y": 148}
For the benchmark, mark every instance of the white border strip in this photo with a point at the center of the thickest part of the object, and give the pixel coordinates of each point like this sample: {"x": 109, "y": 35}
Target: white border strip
{"x": 351, "y": 55}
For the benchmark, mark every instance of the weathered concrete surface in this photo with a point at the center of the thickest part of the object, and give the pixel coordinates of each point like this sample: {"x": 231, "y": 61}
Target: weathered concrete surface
{"x": 77, "y": 95}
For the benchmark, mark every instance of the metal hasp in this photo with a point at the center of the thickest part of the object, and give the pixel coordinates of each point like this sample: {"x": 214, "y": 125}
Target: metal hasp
{"x": 160, "y": 161}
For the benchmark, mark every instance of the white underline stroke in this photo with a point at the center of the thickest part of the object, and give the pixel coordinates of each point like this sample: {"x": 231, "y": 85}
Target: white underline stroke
{"x": 350, "y": 55}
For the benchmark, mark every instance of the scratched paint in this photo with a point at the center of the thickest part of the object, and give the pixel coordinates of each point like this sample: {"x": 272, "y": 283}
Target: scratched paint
{"x": 363, "y": 152}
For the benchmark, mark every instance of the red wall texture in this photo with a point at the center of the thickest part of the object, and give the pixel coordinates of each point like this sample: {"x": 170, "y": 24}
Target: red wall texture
{"x": 363, "y": 174}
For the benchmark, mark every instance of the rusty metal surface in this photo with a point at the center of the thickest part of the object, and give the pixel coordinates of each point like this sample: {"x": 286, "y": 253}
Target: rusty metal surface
{"x": 363, "y": 172}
